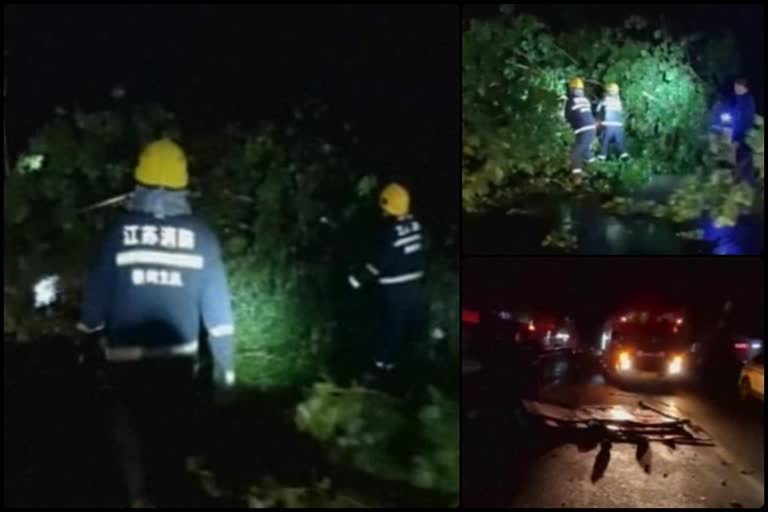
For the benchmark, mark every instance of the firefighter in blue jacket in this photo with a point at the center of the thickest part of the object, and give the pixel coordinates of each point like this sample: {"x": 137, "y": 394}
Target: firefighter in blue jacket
{"x": 157, "y": 278}
{"x": 395, "y": 265}
{"x": 610, "y": 114}
{"x": 732, "y": 119}
{"x": 744, "y": 113}
{"x": 578, "y": 113}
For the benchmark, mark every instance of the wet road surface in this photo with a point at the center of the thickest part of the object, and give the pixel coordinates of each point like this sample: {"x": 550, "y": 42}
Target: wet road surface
{"x": 511, "y": 460}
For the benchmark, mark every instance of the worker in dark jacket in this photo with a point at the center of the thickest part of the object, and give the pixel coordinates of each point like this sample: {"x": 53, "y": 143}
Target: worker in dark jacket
{"x": 158, "y": 276}
{"x": 743, "y": 110}
{"x": 395, "y": 266}
{"x": 578, "y": 113}
{"x": 610, "y": 114}
{"x": 732, "y": 119}
{"x": 744, "y": 122}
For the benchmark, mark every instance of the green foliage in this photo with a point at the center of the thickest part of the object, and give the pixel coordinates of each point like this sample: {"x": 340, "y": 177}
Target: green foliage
{"x": 444, "y": 288}
{"x": 378, "y": 434}
{"x": 264, "y": 192}
{"x": 437, "y": 465}
{"x": 516, "y": 141}
{"x": 514, "y": 76}
{"x": 281, "y": 265}
{"x": 719, "y": 195}
{"x": 756, "y": 141}
{"x": 561, "y": 238}
{"x": 75, "y": 160}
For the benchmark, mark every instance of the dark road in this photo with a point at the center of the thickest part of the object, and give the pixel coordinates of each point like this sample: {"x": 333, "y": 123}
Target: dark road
{"x": 511, "y": 460}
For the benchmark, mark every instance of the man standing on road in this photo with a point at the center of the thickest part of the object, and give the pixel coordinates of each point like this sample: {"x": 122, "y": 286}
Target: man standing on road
{"x": 158, "y": 275}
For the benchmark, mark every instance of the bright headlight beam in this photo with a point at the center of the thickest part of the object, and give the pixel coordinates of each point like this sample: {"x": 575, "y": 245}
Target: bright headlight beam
{"x": 676, "y": 365}
{"x": 625, "y": 361}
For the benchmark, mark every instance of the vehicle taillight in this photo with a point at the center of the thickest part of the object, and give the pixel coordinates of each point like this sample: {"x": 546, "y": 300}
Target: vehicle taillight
{"x": 531, "y": 326}
{"x": 740, "y": 346}
{"x": 470, "y": 317}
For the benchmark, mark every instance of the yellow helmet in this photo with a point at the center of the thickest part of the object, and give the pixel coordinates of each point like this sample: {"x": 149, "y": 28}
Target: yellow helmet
{"x": 576, "y": 83}
{"x": 162, "y": 164}
{"x": 395, "y": 200}
{"x": 613, "y": 88}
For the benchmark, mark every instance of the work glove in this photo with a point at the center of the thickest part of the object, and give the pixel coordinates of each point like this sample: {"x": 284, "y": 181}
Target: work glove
{"x": 360, "y": 279}
{"x": 354, "y": 282}
{"x": 224, "y": 386}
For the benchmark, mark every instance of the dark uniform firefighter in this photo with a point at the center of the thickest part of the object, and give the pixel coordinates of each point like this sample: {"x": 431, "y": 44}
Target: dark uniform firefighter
{"x": 395, "y": 265}
{"x": 157, "y": 278}
{"x": 578, "y": 113}
{"x": 610, "y": 114}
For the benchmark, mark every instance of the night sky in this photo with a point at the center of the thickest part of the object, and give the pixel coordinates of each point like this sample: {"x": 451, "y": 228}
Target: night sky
{"x": 745, "y": 21}
{"x": 592, "y": 287}
{"x": 393, "y": 71}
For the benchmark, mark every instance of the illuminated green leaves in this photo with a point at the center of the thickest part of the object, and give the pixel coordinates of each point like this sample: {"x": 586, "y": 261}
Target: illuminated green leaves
{"x": 757, "y": 142}
{"x": 380, "y": 435}
{"x": 522, "y": 131}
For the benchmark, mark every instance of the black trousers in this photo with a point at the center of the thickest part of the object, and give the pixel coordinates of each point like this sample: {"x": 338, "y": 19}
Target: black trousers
{"x": 155, "y": 423}
{"x": 402, "y": 319}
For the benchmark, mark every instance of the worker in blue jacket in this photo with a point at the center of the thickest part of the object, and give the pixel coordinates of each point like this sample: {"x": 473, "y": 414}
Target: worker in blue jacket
{"x": 732, "y": 119}
{"x": 157, "y": 278}
{"x": 578, "y": 113}
{"x": 743, "y": 110}
{"x": 744, "y": 122}
{"x": 395, "y": 267}
{"x": 610, "y": 114}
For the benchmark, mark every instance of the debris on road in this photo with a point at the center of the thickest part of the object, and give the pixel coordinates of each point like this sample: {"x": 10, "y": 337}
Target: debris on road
{"x": 621, "y": 423}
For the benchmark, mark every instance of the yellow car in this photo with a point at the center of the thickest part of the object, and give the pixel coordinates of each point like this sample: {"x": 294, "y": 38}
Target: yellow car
{"x": 751, "y": 379}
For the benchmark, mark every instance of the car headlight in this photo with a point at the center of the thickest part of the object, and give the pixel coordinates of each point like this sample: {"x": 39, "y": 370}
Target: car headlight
{"x": 676, "y": 365}
{"x": 625, "y": 361}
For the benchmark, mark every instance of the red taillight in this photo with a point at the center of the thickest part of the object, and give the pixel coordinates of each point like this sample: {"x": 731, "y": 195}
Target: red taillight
{"x": 470, "y": 317}
{"x": 741, "y": 345}
{"x": 531, "y": 327}
{"x": 623, "y": 319}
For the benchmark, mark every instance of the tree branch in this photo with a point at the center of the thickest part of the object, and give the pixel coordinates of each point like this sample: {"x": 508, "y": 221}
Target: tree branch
{"x": 566, "y": 53}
